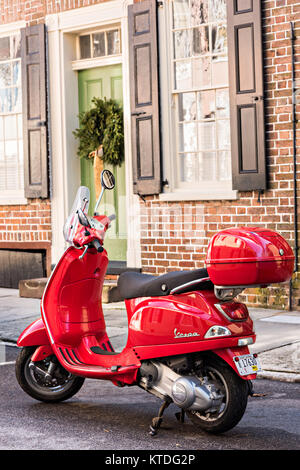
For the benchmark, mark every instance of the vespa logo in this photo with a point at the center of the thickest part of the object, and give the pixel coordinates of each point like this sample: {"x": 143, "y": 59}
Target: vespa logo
{"x": 177, "y": 334}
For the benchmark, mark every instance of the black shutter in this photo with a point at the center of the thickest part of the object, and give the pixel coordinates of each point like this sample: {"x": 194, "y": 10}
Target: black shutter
{"x": 142, "y": 18}
{"x": 246, "y": 94}
{"x": 34, "y": 111}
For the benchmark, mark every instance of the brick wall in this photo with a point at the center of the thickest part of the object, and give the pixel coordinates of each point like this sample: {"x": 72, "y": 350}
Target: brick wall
{"x": 175, "y": 235}
{"x": 31, "y": 222}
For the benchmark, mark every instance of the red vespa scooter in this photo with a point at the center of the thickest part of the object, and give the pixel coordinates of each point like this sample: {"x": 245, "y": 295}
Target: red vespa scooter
{"x": 187, "y": 338}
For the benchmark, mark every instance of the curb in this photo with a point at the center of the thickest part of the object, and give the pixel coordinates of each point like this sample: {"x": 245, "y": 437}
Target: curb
{"x": 293, "y": 377}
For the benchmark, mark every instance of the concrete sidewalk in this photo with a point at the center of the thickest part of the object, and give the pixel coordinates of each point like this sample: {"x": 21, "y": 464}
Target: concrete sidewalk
{"x": 278, "y": 332}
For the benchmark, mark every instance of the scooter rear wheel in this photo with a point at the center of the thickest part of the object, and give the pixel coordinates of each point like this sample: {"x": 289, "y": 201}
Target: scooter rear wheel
{"x": 235, "y": 396}
{"x": 33, "y": 379}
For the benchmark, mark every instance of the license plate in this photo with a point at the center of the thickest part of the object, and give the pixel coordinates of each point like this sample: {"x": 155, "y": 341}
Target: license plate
{"x": 247, "y": 364}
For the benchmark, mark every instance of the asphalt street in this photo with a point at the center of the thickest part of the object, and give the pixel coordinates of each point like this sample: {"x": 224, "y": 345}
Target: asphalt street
{"x": 102, "y": 416}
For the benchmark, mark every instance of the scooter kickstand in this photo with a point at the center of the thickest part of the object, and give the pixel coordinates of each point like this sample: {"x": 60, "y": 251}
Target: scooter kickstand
{"x": 180, "y": 416}
{"x": 156, "y": 422}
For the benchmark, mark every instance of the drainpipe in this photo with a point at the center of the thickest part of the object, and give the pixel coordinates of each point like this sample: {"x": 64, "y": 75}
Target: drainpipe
{"x": 294, "y": 158}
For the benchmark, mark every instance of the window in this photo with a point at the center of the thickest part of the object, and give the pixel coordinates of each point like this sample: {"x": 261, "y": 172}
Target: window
{"x": 200, "y": 94}
{"x": 100, "y": 44}
{"x": 11, "y": 135}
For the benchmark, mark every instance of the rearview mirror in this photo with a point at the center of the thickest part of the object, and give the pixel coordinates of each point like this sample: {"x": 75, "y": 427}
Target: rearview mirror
{"x": 107, "y": 179}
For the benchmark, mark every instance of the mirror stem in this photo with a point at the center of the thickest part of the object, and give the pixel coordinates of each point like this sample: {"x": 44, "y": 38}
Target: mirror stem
{"x": 99, "y": 199}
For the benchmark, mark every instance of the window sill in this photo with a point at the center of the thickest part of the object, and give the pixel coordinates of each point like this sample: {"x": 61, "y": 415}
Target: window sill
{"x": 191, "y": 195}
{"x": 13, "y": 201}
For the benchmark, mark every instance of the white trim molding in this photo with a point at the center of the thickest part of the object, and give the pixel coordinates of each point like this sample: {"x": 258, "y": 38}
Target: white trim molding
{"x": 63, "y": 29}
{"x": 10, "y": 28}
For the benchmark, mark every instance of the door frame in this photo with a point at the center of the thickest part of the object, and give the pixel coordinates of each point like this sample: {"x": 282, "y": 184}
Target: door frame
{"x": 63, "y": 29}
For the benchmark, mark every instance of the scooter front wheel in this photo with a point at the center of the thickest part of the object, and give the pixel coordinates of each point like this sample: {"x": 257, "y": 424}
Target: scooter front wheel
{"x": 45, "y": 380}
{"x": 235, "y": 396}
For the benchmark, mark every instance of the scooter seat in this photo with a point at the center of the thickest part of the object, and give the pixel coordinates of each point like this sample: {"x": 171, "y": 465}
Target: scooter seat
{"x": 132, "y": 285}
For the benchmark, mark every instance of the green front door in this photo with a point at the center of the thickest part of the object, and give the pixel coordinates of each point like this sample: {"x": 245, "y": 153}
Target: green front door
{"x": 106, "y": 82}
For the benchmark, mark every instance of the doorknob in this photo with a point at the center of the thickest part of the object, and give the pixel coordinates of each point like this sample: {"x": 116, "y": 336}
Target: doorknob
{"x": 257, "y": 98}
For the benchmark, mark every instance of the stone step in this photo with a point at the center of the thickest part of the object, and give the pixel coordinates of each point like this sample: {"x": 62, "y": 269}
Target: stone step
{"x": 34, "y": 288}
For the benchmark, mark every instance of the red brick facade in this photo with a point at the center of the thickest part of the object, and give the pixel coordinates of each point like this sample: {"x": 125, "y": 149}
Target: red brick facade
{"x": 175, "y": 235}
{"x": 30, "y": 223}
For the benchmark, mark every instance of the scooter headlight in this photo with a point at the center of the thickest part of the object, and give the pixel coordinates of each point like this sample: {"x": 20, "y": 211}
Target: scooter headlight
{"x": 217, "y": 330}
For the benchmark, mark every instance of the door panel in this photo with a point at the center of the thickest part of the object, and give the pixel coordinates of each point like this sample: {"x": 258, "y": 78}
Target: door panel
{"x": 106, "y": 82}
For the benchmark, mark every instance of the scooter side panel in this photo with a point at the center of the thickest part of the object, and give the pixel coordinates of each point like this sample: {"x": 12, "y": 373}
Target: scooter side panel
{"x": 178, "y": 319}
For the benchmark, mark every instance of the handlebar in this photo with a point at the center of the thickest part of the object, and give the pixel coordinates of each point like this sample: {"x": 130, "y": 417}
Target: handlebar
{"x": 96, "y": 244}
{"x": 112, "y": 217}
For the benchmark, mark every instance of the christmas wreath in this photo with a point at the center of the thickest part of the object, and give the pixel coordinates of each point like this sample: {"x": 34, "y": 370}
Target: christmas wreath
{"x": 101, "y": 128}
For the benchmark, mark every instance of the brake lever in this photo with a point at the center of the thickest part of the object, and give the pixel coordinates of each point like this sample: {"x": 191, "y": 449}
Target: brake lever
{"x": 83, "y": 254}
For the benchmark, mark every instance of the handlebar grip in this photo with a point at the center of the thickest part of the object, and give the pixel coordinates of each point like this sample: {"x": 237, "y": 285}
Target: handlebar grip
{"x": 96, "y": 244}
{"x": 112, "y": 217}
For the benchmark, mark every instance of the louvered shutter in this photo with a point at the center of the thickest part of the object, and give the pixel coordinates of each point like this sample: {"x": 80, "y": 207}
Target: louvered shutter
{"x": 34, "y": 111}
{"x": 246, "y": 94}
{"x": 142, "y": 19}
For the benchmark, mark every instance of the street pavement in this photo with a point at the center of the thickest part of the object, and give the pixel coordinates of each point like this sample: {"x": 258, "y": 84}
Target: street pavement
{"x": 277, "y": 331}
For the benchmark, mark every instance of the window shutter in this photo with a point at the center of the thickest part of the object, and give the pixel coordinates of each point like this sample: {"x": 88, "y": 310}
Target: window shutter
{"x": 144, "y": 101}
{"x": 34, "y": 111}
{"x": 246, "y": 94}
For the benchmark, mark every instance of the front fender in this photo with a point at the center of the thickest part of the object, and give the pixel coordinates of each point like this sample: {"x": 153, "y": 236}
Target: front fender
{"x": 228, "y": 354}
{"x": 34, "y": 335}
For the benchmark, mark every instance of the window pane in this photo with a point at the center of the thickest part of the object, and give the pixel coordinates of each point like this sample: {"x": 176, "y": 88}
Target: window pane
{"x": 182, "y": 44}
{"x": 4, "y": 48}
{"x": 113, "y": 42}
{"x": 11, "y": 176}
{"x": 1, "y": 151}
{"x": 99, "y": 44}
{"x": 10, "y": 127}
{"x": 199, "y": 12}
{"x": 200, "y": 40}
{"x": 207, "y": 135}
{"x": 181, "y": 13}
{"x": 16, "y": 70}
{"x": 219, "y": 71}
{"x": 217, "y": 10}
{"x": 188, "y": 167}
{"x": 1, "y": 128}
{"x": 224, "y": 166}
{"x": 222, "y": 102}
{"x": 208, "y": 166}
{"x": 5, "y": 100}
{"x": 5, "y": 75}
{"x": 187, "y": 137}
{"x": 187, "y": 106}
{"x": 85, "y": 47}
{"x": 16, "y": 100}
{"x": 223, "y": 129}
{"x": 11, "y": 149}
{"x": 206, "y": 104}
{"x": 219, "y": 39}
{"x": 201, "y": 72}
{"x": 183, "y": 75}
